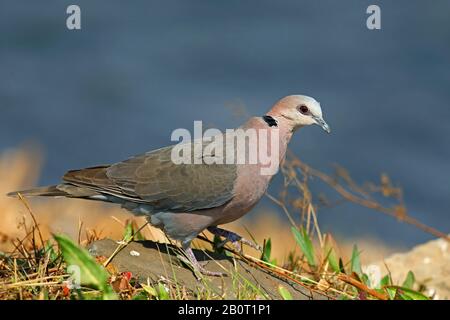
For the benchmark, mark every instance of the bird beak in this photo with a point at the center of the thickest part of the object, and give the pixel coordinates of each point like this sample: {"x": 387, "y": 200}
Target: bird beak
{"x": 322, "y": 124}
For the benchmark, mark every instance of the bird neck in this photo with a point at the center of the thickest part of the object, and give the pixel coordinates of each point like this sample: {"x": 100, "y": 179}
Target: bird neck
{"x": 273, "y": 138}
{"x": 286, "y": 132}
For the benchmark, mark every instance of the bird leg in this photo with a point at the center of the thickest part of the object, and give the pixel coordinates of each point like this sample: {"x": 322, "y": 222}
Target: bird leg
{"x": 233, "y": 238}
{"x": 197, "y": 265}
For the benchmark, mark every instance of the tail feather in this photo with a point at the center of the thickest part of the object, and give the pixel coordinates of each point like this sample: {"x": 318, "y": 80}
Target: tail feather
{"x": 49, "y": 191}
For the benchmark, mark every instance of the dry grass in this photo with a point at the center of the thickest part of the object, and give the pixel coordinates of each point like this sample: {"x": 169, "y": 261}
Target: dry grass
{"x": 29, "y": 264}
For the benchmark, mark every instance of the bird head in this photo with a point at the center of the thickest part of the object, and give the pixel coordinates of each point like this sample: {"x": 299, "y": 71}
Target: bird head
{"x": 299, "y": 111}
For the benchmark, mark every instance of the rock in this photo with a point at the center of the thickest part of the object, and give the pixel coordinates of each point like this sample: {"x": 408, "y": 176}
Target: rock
{"x": 430, "y": 263}
{"x": 156, "y": 261}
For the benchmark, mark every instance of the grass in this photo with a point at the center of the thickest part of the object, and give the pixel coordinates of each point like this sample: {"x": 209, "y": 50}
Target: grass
{"x": 41, "y": 264}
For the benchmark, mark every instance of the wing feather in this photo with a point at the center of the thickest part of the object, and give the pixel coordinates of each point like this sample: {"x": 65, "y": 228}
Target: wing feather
{"x": 152, "y": 178}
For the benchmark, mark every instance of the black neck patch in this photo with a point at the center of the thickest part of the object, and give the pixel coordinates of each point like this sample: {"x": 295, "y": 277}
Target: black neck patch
{"x": 271, "y": 122}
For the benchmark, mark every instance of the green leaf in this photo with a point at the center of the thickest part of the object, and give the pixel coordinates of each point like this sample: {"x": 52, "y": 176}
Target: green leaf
{"x": 391, "y": 292}
{"x": 138, "y": 235}
{"x": 91, "y": 274}
{"x": 150, "y": 290}
{"x": 332, "y": 260}
{"x": 128, "y": 232}
{"x": 365, "y": 279}
{"x": 355, "y": 265}
{"x": 284, "y": 293}
{"x": 267, "y": 250}
{"x": 162, "y": 292}
{"x": 409, "y": 281}
{"x": 304, "y": 241}
{"x": 385, "y": 281}
{"x": 409, "y": 294}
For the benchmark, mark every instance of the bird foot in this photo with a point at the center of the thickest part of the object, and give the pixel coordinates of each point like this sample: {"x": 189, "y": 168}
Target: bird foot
{"x": 199, "y": 266}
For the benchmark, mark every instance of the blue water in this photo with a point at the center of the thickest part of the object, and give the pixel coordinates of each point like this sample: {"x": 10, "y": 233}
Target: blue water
{"x": 138, "y": 70}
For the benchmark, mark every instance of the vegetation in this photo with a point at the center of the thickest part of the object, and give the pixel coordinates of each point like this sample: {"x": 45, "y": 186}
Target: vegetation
{"x": 55, "y": 267}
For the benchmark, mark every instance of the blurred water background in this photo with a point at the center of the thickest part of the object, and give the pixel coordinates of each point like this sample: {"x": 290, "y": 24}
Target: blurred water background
{"x": 136, "y": 71}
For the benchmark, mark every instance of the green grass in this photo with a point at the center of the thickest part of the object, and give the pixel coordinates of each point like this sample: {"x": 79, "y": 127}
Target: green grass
{"x": 59, "y": 268}
{"x": 64, "y": 270}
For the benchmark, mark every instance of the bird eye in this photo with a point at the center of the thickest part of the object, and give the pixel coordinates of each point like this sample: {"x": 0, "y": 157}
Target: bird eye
{"x": 303, "y": 109}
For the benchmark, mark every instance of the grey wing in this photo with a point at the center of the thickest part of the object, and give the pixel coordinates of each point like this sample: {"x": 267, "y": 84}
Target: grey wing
{"x": 166, "y": 186}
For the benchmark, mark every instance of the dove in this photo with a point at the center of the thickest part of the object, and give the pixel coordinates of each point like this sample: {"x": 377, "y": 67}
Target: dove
{"x": 185, "y": 198}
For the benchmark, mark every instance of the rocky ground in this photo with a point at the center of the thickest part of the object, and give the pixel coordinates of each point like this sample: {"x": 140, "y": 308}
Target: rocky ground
{"x": 430, "y": 263}
{"x": 152, "y": 260}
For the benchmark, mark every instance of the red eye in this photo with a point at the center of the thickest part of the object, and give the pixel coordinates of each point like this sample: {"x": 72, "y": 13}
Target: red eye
{"x": 303, "y": 109}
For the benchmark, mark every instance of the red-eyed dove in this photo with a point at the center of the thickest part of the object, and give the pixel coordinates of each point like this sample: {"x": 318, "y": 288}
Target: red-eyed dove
{"x": 183, "y": 199}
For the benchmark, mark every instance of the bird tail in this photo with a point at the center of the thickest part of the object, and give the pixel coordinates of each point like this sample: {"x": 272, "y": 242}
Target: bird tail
{"x": 48, "y": 191}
